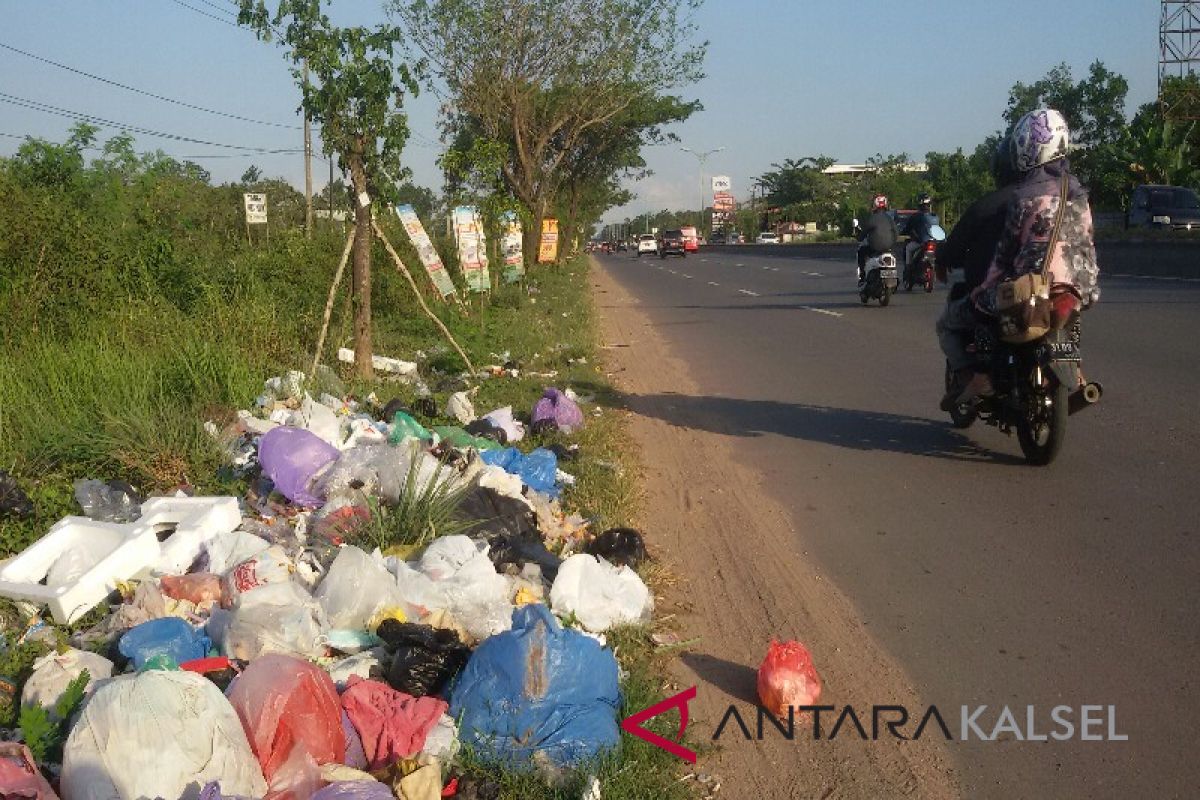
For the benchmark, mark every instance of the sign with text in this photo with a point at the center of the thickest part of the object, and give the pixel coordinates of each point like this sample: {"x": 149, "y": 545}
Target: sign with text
{"x": 512, "y": 247}
{"x": 548, "y": 252}
{"x": 723, "y": 201}
{"x": 721, "y": 183}
{"x": 472, "y": 248}
{"x": 426, "y": 251}
{"x": 256, "y": 208}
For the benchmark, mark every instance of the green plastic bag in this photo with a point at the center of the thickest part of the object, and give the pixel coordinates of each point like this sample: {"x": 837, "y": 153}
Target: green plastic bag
{"x": 405, "y": 427}
{"x": 457, "y": 437}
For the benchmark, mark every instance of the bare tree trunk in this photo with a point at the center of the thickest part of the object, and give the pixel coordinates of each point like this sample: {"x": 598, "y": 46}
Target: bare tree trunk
{"x": 361, "y": 274}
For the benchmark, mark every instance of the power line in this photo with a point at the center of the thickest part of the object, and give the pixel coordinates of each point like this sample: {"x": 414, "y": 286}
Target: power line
{"x": 205, "y": 13}
{"x": 144, "y": 92}
{"x": 64, "y": 112}
{"x": 169, "y": 155}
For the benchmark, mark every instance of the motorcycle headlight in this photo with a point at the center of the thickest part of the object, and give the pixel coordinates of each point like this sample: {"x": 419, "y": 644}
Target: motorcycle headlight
{"x": 1162, "y": 219}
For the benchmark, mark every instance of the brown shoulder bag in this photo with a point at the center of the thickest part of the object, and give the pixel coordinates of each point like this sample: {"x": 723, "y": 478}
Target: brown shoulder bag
{"x": 1023, "y": 309}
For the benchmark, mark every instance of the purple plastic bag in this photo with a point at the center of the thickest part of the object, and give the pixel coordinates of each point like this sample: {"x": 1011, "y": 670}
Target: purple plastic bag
{"x": 290, "y": 457}
{"x": 355, "y": 790}
{"x": 560, "y": 409}
{"x": 212, "y": 791}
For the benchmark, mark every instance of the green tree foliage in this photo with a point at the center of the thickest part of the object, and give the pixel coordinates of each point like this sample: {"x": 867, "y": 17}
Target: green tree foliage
{"x": 548, "y": 82}
{"x": 356, "y": 95}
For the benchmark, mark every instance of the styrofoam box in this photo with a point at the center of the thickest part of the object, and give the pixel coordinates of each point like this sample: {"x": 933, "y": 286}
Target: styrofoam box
{"x": 119, "y": 551}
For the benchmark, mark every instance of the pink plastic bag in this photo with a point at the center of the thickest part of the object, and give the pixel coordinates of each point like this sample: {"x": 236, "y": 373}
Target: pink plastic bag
{"x": 198, "y": 588}
{"x": 787, "y": 677}
{"x": 292, "y": 717}
{"x": 556, "y": 407}
{"x": 392, "y": 724}
{"x": 19, "y": 776}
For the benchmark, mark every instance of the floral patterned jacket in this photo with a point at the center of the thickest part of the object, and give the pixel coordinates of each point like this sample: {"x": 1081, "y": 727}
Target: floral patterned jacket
{"x": 1027, "y": 231}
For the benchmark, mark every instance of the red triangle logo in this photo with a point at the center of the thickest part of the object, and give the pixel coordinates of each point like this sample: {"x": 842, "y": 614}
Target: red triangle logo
{"x": 633, "y": 724}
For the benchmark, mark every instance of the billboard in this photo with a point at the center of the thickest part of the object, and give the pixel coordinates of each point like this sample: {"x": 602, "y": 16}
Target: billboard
{"x": 472, "y": 248}
{"x": 425, "y": 249}
{"x": 511, "y": 247}
{"x": 256, "y": 208}
{"x": 721, "y": 183}
{"x": 548, "y": 252}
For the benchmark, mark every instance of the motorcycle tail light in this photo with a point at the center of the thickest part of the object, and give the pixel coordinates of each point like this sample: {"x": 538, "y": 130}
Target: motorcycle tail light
{"x": 929, "y": 247}
{"x": 1064, "y": 306}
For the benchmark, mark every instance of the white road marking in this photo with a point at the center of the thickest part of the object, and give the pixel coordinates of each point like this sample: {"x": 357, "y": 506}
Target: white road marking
{"x": 686, "y": 275}
{"x": 739, "y": 265}
{"x": 822, "y": 311}
{"x": 815, "y": 274}
{"x": 1154, "y": 277}
{"x": 713, "y": 283}
{"x": 747, "y": 291}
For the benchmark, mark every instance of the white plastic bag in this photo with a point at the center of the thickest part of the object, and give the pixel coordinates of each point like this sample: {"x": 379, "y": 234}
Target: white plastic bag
{"x": 227, "y": 550}
{"x": 158, "y": 734}
{"x": 359, "y": 664}
{"x": 271, "y": 566}
{"x": 468, "y": 584}
{"x": 503, "y": 418}
{"x": 356, "y": 586}
{"x": 280, "y": 618}
{"x": 460, "y": 407}
{"x": 53, "y": 672}
{"x": 442, "y": 742}
{"x": 318, "y": 419}
{"x": 599, "y": 594}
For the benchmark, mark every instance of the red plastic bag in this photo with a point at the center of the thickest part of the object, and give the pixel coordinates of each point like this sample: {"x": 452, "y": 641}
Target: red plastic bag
{"x": 198, "y": 588}
{"x": 19, "y": 776}
{"x": 787, "y": 677}
{"x": 293, "y": 718}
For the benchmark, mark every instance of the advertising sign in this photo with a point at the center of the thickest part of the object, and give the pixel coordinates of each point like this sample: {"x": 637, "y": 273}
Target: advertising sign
{"x": 548, "y": 251}
{"x": 511, "y": 247}
{"x": 723, "y": 201}
{"x": 472, "y": 248}
{"x": 256, "y": 208}
{"x": 425, "y": 249}
{"x": 721, "y": 183}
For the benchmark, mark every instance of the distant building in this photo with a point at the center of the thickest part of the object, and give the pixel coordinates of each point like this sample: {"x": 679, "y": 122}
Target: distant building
{"x": 856, "y": 169}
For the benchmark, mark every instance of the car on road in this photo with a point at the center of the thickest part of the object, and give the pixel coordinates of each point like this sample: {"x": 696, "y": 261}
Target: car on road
{"x": 670, "y": 243}
{"x": 646, "y": 243}
{"x": 691, "y": 239}
{"x": 1167, "y": 207}
{"x": 717, "y": 238}
{"x": 767, "y": 237}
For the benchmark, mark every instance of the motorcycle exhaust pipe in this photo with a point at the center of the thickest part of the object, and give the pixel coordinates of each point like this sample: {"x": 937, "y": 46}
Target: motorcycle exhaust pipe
{"x": 1085, "y": 397}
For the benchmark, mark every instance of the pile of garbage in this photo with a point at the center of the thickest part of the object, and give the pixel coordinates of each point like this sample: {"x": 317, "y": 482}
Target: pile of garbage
{"x": 335, "y": 632}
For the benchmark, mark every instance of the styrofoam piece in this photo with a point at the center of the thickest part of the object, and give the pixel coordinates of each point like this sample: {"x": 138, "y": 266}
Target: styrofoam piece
{"x": 382, "y": 363}
{"x": 120, "y": 551}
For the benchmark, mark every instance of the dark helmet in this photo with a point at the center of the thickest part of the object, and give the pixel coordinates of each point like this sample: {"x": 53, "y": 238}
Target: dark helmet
{"x": 924, "y": 200}
{"x": 1003, "y": 172}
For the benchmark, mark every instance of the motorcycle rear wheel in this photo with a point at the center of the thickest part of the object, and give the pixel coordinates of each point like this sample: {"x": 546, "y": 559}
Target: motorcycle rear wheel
{"x": 1041, "y": 441}
{"x": 962, "y": 415}
{"x": 885, "y": 297}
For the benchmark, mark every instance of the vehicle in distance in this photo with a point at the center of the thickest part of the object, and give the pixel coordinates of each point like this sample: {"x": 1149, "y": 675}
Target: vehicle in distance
{"x": 670, "y": 243}
{"x": 646, "y": 244}
{"x": 1167, "y": 207}
{"x": 717, "y": 238}
{"x": 691, "y": 239}
{"x": 767, "y": 237}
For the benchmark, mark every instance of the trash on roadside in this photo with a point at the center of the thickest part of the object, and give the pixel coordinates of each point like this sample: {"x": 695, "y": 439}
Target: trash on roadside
{"x": 355, "y": 790}
{"x": 555, "y": 407}
{"x": 485, "y": 429}
{"x": 20, "y": 777}
{"x": 115, "y": 501}
{"x": 279, "y": 618}
{"x": 405, "y": 427}
{"x": 537, "y": 469}
{"x": 461, "y": 439}
{"x": 156, "y": 734}
{"x": 392, "y": 725}
{"x": 271, "y": 566}
{"x": 503, "y": 418}
{"x": 366, "y": 664}
{"x": 356, "y": 587}
{"x": 13, "y": 500}
{"x": 538, "y": 692}
{"x": 201, "y": 588}
{"x": 599, "y": 594}
{"x": 291, "y": 458}
{"x": 392, "y": 366}
{"x": 621, "y": 547}
{"x": 460, "y": 407}
{"x": 169, "y": 636}
{"x": 53, "y": 673}
{"x": 787, "y": 678}
{"x": 423, "y": 658}
{"x": 291, "y": 714}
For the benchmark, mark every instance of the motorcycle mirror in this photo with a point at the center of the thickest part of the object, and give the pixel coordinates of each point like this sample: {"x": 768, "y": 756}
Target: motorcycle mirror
{"x": 856, "y": 222}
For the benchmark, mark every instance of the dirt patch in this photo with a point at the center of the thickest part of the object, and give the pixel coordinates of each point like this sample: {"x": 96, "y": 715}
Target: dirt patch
{"x": 743, "y": 578}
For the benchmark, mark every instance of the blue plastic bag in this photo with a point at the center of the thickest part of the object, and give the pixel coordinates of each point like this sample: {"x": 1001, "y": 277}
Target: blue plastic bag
{"x": 537, "y": 470}
{"x": 538, "y": 688}
{"x": 168, "y": 636}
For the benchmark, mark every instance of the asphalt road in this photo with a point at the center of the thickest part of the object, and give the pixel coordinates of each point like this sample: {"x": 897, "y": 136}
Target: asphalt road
{"x": 991, "y": 582}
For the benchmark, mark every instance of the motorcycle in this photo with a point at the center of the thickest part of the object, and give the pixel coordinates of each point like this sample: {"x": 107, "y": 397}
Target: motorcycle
{"x": 882, "y": 279}
{"x": 920, "y": 270}
{"x": 1036, "y": 386}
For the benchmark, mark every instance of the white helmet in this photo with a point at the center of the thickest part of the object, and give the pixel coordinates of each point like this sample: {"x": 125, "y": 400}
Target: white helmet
{"x": 1038, "y": 138}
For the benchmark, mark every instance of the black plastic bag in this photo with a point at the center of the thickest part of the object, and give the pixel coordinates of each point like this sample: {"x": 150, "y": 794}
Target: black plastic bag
{"x": 425, "y": 658}
{"x": 13, "y": 500}
{"x": 621, "y": 547}
{"x": 486, "y": 430}
{"x": 510, "y": 528}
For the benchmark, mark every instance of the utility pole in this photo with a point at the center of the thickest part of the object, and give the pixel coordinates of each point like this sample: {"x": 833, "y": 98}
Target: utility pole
{"x": 702, "y": 158}
{"x": 308, "y": 210}
{"x": 329, "y": 188}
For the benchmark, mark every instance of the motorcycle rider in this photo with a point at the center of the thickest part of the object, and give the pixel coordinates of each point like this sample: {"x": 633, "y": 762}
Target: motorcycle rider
{"x": 919, "y": 229}
{"x": 1038, "y": 147}
{"x": 879, "y": 235}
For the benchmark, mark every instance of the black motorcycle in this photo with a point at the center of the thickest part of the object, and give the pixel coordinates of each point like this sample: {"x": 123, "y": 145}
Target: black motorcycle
{"x": 881, "y": 279}
{"x": 920, "y": 271}
{"x": 1035, "y": 386}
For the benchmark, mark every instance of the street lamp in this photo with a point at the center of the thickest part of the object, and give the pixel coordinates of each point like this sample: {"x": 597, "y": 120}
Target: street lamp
{"x": 702, "y": 156}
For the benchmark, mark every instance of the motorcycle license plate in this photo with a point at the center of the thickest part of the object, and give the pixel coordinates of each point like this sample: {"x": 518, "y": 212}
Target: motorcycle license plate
{"x": 1063, "y": 351}
{"x": 887, "y": 274}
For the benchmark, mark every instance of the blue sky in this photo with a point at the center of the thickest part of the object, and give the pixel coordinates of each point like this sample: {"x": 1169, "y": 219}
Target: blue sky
{"x": 786, "y": 78}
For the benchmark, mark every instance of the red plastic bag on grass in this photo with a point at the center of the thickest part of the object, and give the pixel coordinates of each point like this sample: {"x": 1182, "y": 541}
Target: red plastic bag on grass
{"x": 787, "y": 677}
{"x": 198, "y": 587}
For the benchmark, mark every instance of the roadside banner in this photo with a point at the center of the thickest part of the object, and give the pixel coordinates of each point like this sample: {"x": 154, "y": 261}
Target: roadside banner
{"x": 721, "y": 183}
{"x": 511, "y": 246}
{"x": 723, "y": 201}
{"x": 548, "y": 252}
{"x": 472, "y": 248}
{"x": 425, "y": 249}
{"x": 256, "y": 208}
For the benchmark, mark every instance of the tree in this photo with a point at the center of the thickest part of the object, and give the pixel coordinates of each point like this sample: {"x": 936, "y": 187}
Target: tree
{"x": 252, "y": 175}
{"x": 357, "y": 97}
{"x": 536, "y": 77}
{"x": 41, "y": 163}
{"x": 956, "y": 180}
